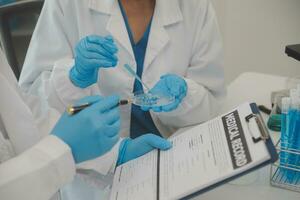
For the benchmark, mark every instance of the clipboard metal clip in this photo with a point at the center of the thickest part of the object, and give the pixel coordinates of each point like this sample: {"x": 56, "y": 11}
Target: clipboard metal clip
{"x": 264, "y": 133}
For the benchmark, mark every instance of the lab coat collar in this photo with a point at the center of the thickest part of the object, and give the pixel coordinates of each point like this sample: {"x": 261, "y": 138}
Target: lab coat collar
{"x": 117, "y": 27}
{"x": 168, "y": 10}
{"x": 103, "y": 6}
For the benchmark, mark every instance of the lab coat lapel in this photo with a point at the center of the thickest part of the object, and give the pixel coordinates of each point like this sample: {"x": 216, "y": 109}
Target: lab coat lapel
{"x": 115, "y": 25}
{"x": 103, "y": 6}
{"x": 15, "y": 114}
{"x": 167, "y": 12}
{"x": 158, "y": 39}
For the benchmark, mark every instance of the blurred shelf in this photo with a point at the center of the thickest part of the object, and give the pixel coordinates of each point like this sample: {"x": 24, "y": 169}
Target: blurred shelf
{"x": 23, "y": 26}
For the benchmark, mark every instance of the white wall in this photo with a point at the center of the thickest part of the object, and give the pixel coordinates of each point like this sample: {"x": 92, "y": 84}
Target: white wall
{"x": 255, "y": 34}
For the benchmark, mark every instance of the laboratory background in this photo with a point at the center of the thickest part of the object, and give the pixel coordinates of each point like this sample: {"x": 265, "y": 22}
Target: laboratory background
{"x": 255, "y": 34}
{"x": 261, "y": 40}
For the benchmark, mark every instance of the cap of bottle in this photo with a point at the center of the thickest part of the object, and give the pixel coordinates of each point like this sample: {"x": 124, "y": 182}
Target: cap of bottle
{"x": 293, "y": 92}
{"x": 295, "y": 101}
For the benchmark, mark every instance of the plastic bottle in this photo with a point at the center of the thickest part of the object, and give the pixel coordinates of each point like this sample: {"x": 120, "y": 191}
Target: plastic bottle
{"x": 293, "y": 123}
{"x": 292, "y": 111}
{"x": 296, "y": 131}
{"x": 294, "y": 118}
{"x": 285, "y": 106}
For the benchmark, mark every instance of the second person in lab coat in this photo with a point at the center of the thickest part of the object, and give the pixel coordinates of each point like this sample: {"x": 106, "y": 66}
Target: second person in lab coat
{"x": 174, "y": 45}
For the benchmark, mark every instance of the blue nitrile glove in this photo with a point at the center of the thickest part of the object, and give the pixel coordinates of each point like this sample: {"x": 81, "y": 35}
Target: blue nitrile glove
{"x": 133, "y": 148}
{"x": 92, "y": 53}
{"x": 93, "y": 131}
{"x": 170, "y": 85}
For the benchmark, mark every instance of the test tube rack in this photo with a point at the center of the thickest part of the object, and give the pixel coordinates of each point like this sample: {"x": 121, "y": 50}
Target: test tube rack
{"x": 284, "y": 174}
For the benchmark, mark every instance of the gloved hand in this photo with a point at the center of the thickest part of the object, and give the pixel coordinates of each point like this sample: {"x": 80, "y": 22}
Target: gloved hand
{"x": 133, "y": 148}
{"x": 93, "y": 131}
{"x": 92, "y": 53}
{"x": 170, "y": 85}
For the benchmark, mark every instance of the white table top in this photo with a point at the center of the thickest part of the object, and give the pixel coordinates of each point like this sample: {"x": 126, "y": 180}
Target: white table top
{"x": 252, "y": 87}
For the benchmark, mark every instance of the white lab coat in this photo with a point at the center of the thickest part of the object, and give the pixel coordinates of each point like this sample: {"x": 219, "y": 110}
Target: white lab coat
{"x": 33, "y": 165}
{"x": 184, "y": 40}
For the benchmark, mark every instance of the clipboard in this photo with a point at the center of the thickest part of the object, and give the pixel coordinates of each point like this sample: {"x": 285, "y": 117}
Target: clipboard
{"x": 265, "y": 136}
{"x": 234, "y": 124}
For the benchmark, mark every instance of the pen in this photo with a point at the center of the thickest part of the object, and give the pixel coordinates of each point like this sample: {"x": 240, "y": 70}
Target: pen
{"x": 72, "y": 110}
